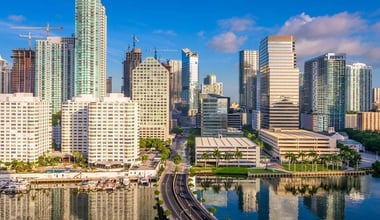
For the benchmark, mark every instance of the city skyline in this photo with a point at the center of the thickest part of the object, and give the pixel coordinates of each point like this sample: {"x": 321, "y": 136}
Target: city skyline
{"x": 349, "y": 27}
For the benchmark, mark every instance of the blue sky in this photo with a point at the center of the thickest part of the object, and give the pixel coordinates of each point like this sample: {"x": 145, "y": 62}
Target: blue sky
{"x": 217, "y": 30}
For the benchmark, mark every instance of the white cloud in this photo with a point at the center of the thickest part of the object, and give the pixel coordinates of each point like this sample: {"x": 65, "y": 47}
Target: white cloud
{"x": 341, "y": 33}
{"x": 227, "y": 42}
{"x": 165, "y": 32}
{"x": 16, "y": 18}
{"x": 236, "y": 24}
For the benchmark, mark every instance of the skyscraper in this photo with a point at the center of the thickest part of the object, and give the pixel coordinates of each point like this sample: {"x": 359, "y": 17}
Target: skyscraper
{"x": 214, "y": 115}
{"x": 4, "y": 76}
{"x": 109, "y": 84}
{"x": 132, "y": 60}
{"x": 248, "y": 71}
{"x": 90, "y": 47}
{"x": 54, "y": 70}
{"x": 358, "y": 87}
{"x": 190, "y": 75}
{"x": 210, "y": 86}
{"x": 175, "y": 82}
{"x": 324, "y": 93}
{"x": 279, "y": 83}
{"x": 150, "y": 89}
{"x": 23, "y": 71}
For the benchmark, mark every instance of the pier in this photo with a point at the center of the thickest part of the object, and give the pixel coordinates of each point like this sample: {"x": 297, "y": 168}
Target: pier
{"x": 309, "y": 174}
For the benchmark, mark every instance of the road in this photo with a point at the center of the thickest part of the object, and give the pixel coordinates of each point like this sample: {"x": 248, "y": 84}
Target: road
{"x": 368, "y": 159}
{"x": 175, "y": 192}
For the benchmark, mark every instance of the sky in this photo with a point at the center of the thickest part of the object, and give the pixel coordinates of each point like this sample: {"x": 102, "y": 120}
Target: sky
{"x": 217, "y": 30}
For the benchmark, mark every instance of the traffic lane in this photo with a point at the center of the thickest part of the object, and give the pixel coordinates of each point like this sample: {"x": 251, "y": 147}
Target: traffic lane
{"x": 189, "y": 201}
{"x": 168, "y": 196}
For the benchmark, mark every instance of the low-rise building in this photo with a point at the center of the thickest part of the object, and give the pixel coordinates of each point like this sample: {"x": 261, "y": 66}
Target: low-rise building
{"x": 351, "y": 121}
{"x": 296, "y": 141}
{"x": 250, "y": 152}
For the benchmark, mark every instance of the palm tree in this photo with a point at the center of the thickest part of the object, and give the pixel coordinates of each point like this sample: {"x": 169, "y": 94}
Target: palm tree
{"x": 288, "y": 156}
{"x": 238, "y": 156}
{"x": 314, "y": 158}
{"x": 205, "y": 156}
{"x": 302, "y": 155}
{"x": 76, "y": 155}
{"x": 227, "y": 156}
{"x": 216, "y": 155}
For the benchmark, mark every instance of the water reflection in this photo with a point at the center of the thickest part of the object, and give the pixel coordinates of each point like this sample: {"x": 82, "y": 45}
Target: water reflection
{"x": 282, "y": 198}
{"x": 65, "y": 202}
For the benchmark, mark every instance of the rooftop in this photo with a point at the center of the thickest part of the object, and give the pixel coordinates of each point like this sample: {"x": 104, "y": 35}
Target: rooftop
{"x": 295, "y": 134}
{"x": 223, "y": 142}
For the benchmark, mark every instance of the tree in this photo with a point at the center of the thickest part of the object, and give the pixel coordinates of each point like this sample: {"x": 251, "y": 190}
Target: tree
{"x": 76, "y": 155}
{"x": 205, "y": 156}
{"x": 144, "y": 157}
{"x": 177, "y": 130}
{"x": 227, "y": 156}
{"x": 314, "y": 158}
{"x": 177, "y": 159}
{"x": 216, "y": 154}
{"x": 238, "y": 156}
{"x": 302, "y": 156}
{"x": 288, "y": 156}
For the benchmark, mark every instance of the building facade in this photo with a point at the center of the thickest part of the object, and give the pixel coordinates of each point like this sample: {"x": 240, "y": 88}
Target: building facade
{"x": 175, "y": 82}
{"x": 5, "y": 77}
{"x": 248, "y": 73}
{"x": 210, "y": 86}
{"x": 190, "y": 76}
{"x": 26, "y": 131}
{"x": 150, "y": 89}
{"x": 376, "y": 98}
{"x": 324, "y": 91}
{"x": 369, "y": 121}
{"x": 214, "y": 115}
{"x": 90, "y": 48}
{"x": 74, "y": 124}
{"x": 54, "y": 70}
{"x": 109, "y": 84}
{"x": 113, "y": 130}
{"x": 296, "y": 141}
{"x": 23, "y": 71}
{"x": 250, "y": 152}
{"x": 132, "y": 60}
{"x": 358, "y": 87}
{"x": 279, "y": 83}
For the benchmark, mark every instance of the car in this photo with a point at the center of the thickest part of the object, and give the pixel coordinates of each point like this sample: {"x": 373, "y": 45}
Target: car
{"x": 182, "y": 195}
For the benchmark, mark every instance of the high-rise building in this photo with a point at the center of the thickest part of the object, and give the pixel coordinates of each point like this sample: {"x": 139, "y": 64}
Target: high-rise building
{"x": 117, "y": 117}
{"x": 279, "y": 83}
{"x": 190, "y": 75}
{"x": 150, "y": 89}
{"x": 175, "y": 82}
{"x": 25, "y": 131}
{"x": 376, "y": 95}
{"x": 132, "y": 60}
{"x": 248, "y": 72}
{"x": 90, "y": 47}
{"x": 210, "y": 86}
{"x": 85, "y": 121}
{"x": 323, "y": 96}
{"x": 109, "y": 84}
{"x": 358, "y": 87}
{"x": 23, "y": 71}
{"x": 54, "y": 70}
{"x": 4, "y": 76}
{"x": 214, "y": 115}
{"x": 74, "y": 124}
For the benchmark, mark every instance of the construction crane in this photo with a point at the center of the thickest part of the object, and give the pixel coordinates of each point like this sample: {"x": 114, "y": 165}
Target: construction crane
{"x": 155, "y": 50}
{"x": 29, "y": 36}
{"x": 47, "y": 28}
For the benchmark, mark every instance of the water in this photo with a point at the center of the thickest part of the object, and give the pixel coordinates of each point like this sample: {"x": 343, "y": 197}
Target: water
{"x": 292, "y": 198}
{"x": 65, "y": 202}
